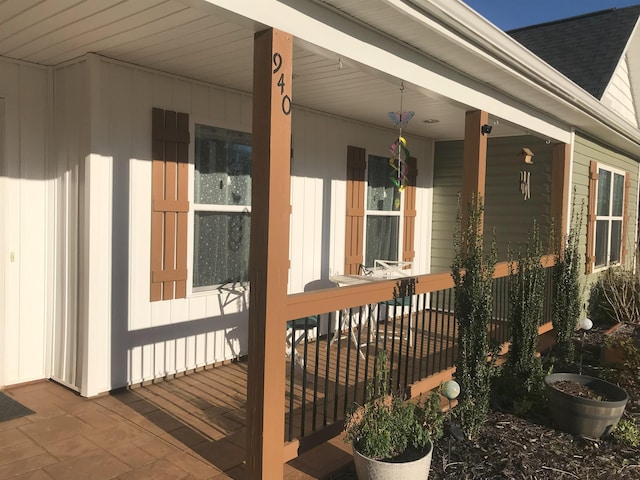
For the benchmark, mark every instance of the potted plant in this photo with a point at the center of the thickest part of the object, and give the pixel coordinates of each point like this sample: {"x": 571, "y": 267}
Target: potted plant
{"x": 584, "y": 405}
{"x": 392, "y": 437}
{"x": 578, "y": 404}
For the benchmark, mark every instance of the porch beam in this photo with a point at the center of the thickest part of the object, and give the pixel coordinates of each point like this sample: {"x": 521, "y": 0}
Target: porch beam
{"x": 268, "y": 262}
{"x": 560, "y": 189}
{"x": 474, "y": 166}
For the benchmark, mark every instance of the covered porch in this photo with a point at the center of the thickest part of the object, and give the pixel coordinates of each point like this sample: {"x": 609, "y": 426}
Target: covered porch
{"x": 311, "y": 83}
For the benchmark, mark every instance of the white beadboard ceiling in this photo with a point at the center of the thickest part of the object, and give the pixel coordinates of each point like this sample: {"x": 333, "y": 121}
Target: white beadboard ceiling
{"x": 210, "y": 45}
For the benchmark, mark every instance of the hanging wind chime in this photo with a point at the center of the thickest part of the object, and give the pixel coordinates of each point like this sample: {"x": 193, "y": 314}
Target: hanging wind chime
{"x": 399, "y": 151}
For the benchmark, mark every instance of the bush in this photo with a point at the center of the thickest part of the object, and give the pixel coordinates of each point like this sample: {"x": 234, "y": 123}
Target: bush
{"x": 472, "y": 272}
{"x": 387, "y": 426}
{"x": 615, "y": 297}
{"x": 567, "y": 294}
{"x": 627, "y": 433}
{"x": 522, "y": 374}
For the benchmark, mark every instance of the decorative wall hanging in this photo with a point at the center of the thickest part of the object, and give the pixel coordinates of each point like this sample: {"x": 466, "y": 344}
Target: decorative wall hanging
{"x": 527, "y": 155}
{"x": 399, "y": 151}
{"x": 525, "y": 184}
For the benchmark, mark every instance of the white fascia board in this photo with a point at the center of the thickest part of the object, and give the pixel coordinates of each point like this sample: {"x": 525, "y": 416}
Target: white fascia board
{"x": 509, "y": 54}
{"x": 412, "y": 66}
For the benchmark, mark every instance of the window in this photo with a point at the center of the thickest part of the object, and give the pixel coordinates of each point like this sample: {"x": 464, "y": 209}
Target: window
{"x": 222, "y": 206}
{"x": 382, "y": 213}
{"x": 374, "y": 209}
{"x": 609, "y": 217}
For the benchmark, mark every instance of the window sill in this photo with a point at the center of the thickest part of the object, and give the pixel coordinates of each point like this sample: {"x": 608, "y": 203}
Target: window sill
{"x": 230, "y": 288}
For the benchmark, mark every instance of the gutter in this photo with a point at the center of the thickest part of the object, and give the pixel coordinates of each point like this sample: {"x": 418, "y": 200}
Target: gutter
{"x": 453, "y": 20}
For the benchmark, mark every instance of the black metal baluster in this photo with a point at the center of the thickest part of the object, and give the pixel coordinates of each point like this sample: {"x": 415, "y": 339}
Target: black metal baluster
{"x": 449, "y": 363}
{"x": 337, "y": 375}
{"x": 325, "y": 400}
{"x": 292, "y": 374}
{"x": 348, "y": 362}
{"x": 305, "y": 358}
{"x": 315, "y": 372}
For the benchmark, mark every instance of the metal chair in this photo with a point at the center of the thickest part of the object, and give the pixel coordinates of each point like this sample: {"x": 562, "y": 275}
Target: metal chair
{"x": 398, "y": 306}
{"x": 300, "y": 326}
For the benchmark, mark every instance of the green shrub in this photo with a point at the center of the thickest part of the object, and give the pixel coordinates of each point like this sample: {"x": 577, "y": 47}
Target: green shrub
{"x": 472, "y": 272}
{"x": 615, "y": 297}
{"x": 388, "y": 424}
{"x": 523, "y": 367}
{"x": 627, "y": 433}
{"x": 567, "y": 293}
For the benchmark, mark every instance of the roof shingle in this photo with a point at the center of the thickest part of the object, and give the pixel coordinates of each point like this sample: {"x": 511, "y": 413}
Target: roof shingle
{"x": 586, "y": 48}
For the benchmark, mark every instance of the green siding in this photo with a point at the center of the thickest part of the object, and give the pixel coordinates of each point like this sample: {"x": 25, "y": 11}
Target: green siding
{"x": 506, "y": 211}
{"x": 447, "y": 184}
{"x": 585, "y": 151}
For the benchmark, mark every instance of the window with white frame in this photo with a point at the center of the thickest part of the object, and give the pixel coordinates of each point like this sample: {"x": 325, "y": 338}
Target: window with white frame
{"x": 221, "y": 206}
{"x": 383, "y": 213}
{"x": 609, "y": 217}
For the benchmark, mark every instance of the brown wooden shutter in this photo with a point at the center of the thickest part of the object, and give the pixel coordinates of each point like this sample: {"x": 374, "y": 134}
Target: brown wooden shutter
{"x": 625, "y": 217}
{"x": 169, "y": 204}
{"x": 354, "y": 231}
{"x": 591, "y": 215}
{"x": 408, "y": 249}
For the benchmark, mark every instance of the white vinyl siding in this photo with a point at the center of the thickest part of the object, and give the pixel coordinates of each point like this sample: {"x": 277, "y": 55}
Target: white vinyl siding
{"x": 148, "y": 340}
{"x": 25, "y": 188}
{"x": 619, "y": 96}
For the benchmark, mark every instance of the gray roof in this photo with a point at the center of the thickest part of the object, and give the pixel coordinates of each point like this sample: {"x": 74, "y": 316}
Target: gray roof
{"x": 586, "y": 48}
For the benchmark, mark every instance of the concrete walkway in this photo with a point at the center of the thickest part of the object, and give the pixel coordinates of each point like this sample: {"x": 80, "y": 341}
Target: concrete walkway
{"x": 190, "y": 427}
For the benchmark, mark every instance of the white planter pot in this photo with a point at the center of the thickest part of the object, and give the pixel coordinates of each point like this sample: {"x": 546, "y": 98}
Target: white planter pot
{"x": 369, "y": 469}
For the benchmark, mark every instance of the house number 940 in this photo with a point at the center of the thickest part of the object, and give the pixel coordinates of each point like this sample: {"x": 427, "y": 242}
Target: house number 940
{"x": 286, "y": 99}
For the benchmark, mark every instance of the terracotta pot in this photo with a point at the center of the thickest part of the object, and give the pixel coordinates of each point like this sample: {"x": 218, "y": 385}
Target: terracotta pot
{"x": 369, "y": 469}
{"x": 585, "y": 416}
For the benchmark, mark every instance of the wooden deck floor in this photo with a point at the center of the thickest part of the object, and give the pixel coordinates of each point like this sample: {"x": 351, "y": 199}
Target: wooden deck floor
{"x": 336, "y": 373}
{"x": 194, "y": 425}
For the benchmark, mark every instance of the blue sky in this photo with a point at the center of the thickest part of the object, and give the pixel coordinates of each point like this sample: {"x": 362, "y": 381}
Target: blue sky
{"x": 509, "y": 14}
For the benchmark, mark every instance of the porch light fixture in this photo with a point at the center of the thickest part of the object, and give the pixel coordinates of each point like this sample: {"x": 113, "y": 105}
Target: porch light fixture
{"x": 527, "y": 155}
{"x": 486, "y": 129}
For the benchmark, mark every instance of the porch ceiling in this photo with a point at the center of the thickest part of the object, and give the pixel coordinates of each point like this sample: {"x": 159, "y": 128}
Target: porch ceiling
{"x": 211, "y": 45}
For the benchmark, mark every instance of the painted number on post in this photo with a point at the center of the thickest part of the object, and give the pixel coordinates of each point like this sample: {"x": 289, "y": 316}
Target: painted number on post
{"x": 286, "y": 99}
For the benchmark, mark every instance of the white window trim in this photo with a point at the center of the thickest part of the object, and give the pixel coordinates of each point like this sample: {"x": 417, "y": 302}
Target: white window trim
{"x": 382, "y": 213}
{"x": 193, "y": 207}
{"x": 602, "y": 166}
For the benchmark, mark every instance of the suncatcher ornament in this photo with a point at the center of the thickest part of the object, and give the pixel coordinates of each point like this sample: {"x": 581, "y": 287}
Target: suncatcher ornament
{"x": 399, "y": 151}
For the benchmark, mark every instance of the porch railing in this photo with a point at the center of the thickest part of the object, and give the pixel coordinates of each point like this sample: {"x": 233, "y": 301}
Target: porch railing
{"x": 413, "y": 320}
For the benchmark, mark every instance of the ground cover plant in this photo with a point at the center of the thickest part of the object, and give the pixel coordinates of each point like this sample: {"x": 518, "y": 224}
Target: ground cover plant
{"x": 508, "y": 446}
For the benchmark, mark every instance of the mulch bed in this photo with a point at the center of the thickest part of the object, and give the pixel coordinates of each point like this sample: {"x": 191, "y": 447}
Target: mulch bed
{"x": 510, "y": 447}
{"x": 576, "y": 389}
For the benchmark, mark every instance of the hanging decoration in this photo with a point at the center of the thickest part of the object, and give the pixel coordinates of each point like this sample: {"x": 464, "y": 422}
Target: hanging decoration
{"x": 525, "y": 184}
{"x": 399, "y": 151}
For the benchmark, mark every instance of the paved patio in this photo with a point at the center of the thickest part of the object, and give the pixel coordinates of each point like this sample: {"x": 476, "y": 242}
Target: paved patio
{"x": 189, "y": 427}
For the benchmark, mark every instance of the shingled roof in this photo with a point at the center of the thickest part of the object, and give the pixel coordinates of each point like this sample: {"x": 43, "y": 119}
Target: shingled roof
{"x": 586, "y": 48}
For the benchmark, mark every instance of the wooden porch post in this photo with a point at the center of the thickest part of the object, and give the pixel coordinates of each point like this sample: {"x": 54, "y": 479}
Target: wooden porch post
{"x": 474, "y": 167}
{"x": 560, "y": 189}
{"x": 269, "y": 263}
